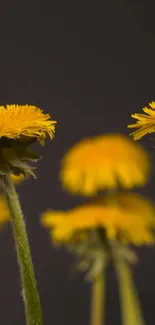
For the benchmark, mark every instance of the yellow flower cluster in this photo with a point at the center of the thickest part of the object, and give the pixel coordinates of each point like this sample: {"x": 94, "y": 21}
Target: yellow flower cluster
{"x": 99, "y": 163}
{"x": 105, "y": 162}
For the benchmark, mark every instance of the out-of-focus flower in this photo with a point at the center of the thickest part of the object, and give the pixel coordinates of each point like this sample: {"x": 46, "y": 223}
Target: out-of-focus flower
{"x": 129, "y": 218}
{"x": 145, "y": 122}
{"x": 4, "y": 211}
{"x": 20, "y": 126}
{"x": 17, "y": 179}
{"x": 104, "y": 162}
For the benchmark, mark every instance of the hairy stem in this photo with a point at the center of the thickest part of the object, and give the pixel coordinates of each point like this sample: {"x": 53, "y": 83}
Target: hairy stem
{"x": 29, "y": 289}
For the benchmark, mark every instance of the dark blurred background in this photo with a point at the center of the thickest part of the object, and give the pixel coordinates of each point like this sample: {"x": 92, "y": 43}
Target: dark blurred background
{"x": 90, "y": 65}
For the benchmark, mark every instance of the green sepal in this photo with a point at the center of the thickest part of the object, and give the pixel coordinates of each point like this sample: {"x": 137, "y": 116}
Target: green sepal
{"x": 25, "y": 153}
{"x": 4, "y": 167}
{"x": 96, "y": 253}
{"x": 10, "y": 157}
{"x": 93, "y": 264}
{"x": 25, "y": 141}
{"x": 124, "y": 252}
{"x": 15, "y": 155}
{"x": 92, "y": 256}
{"x": 14, "y": 162}
{"x": 96, "y": 269}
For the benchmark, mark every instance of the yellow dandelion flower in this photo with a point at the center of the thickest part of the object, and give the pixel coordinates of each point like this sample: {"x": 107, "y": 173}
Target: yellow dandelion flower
{"x": 4, "y": 211}
{"x": 129, "y": 218}
{"x": 102, "y": 162}
{"x": 145, "y": 122}
{"x": 20, "y": 126}
{"x": 27, "y": 120}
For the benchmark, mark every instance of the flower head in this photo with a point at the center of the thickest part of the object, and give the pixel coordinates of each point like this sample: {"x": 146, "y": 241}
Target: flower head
{"x": 128, "y": 218}
{"x": 27, "y": 120}
{"x": 145, "y": 122}
{"x": 104, "y": 162}
{"x": 20, "y": 126}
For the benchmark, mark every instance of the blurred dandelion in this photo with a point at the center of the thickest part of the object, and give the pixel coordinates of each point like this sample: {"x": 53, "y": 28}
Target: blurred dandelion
{"x": 99, "y": 233}
{"x": 115, "y": 213}
{"x": 145, "y": 122}
{"x": 4, "y": 210}
{"x": 17, "y": 179}
{"x": 104, "y": 162}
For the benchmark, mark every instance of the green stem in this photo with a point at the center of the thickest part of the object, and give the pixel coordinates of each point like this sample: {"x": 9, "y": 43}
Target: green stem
{"x": 97, "y": 304}
{"x": 130, "y": 305}
{"x": 29, "y": 289}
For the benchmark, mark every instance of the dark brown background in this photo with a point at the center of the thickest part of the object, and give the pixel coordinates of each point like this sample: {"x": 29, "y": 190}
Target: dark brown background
{"x": 90, "y": 65}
